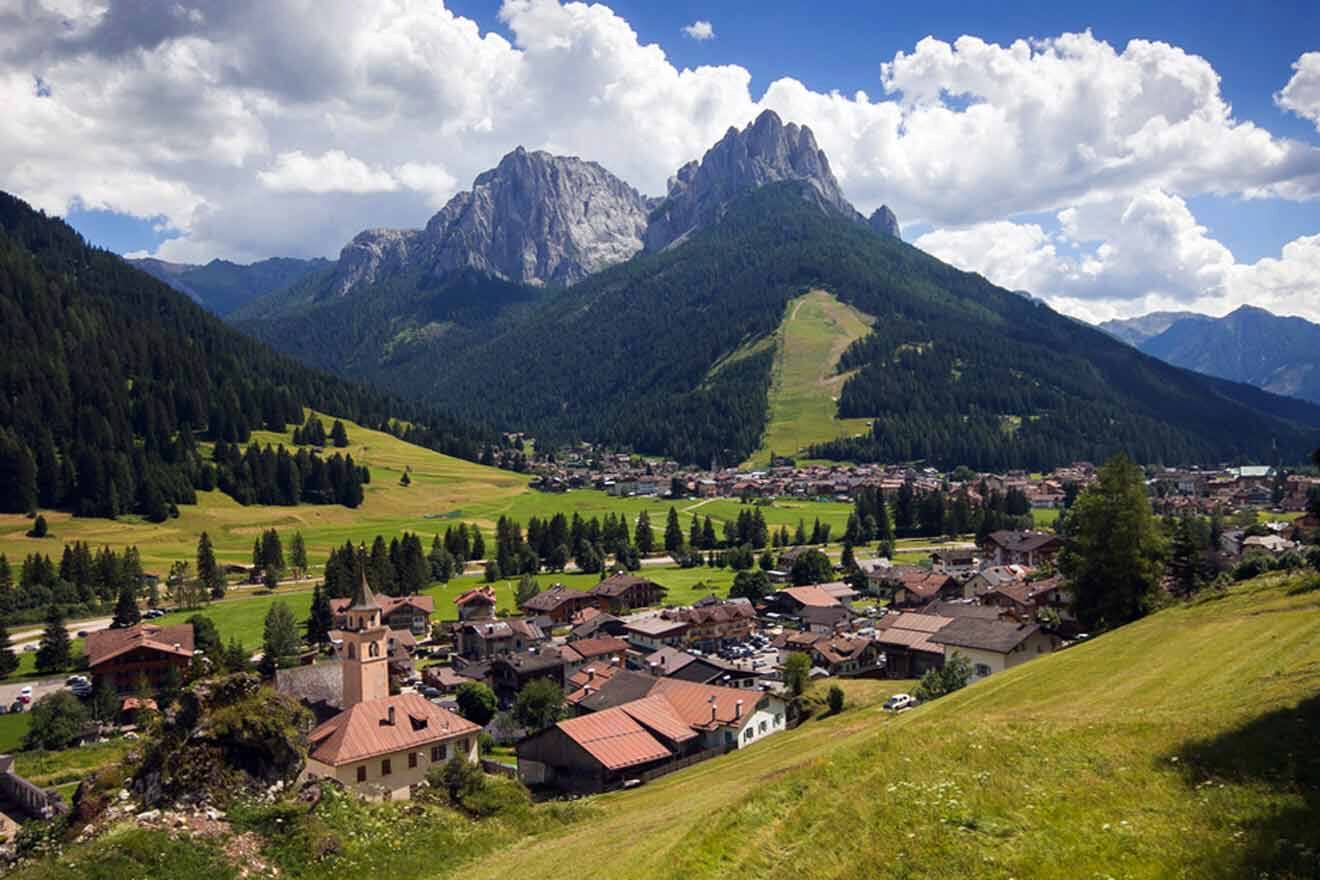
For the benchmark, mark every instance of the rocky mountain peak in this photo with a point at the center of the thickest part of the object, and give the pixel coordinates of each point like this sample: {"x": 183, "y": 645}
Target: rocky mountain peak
{"x": 884, "y": 222}
{"x": 537, "y": 218}
{"x": 766, "y": 151}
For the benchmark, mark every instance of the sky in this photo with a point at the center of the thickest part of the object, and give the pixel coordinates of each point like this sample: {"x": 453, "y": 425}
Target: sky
{"x": 1111, "y": 159}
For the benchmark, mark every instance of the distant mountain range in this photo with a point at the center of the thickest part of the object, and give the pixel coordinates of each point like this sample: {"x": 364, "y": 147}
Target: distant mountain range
{"x": 221, "y": 286}
{"x": 1279, "y": 354}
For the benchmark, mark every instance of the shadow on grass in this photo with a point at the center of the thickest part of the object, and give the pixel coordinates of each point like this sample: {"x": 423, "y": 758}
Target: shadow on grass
{"x": 1280, "y": 751}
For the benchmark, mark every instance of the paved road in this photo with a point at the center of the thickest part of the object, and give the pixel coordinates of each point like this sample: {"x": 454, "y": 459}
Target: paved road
{"x": 9, "y": 691}
{"x": 33, "y": 636}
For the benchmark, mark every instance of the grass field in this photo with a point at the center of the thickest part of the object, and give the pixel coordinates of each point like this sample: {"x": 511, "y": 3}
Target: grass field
{"x": 804, "y": 387}
{"x": 443, "y": 490}
{"x": 1185, "y": 745}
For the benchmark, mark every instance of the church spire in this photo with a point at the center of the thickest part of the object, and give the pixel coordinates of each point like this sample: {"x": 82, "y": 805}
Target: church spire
{"x": 363, "y": 598}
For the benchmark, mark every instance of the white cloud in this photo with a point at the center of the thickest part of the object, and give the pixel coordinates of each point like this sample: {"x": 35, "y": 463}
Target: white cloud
{"x": 700, "y": 30}
{"x": 1130, "y": 256}
{"x": 1302, "y": 93}
{"x": 258, "y": 128}
{"x": 332, "y": 171}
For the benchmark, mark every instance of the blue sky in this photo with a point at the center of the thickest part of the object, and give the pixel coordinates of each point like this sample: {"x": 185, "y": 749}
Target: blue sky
{"x": 1104, "y": 176}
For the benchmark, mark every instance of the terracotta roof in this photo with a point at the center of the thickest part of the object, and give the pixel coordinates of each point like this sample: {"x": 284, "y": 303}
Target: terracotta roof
{"x": 362, "y": 731}
{"x": 657, "y": 714}
{"x": 387, "y": 604}
{"x": 1023, "y": 542}
{"x": 107, "y": 644}
{"x": 614, "y": 738}
{"x": 582, "y": 615}
{"x": 481, "y": 595}
{"x": 811, "y": 596}
{"x": 998, "y": 636}
{"x": 657, "y": 626}
{"x": 724, "y": 612}
{"x": 692, "y": 702}
{"x": 668, "y": 660}
{"x": 594, "y": 675}
{"x": 132, "y": 703}
{"x": 927, "y": 623}
{"x": 587, "y": 649}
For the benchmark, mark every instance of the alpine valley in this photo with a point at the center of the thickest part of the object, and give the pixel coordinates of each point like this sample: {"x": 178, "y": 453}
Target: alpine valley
{"x": 553, "y": 298}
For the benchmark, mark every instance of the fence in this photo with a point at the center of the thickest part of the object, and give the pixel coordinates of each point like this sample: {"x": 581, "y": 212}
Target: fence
{"x": 674, "y": 766}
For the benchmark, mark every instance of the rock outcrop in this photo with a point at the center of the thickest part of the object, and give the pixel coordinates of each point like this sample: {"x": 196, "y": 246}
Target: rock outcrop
{"x": 766, "y": 151}
{"x": 884, "y": 222}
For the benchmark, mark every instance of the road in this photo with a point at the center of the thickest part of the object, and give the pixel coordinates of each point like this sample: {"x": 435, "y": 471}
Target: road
{"x": 33, "y": 636}
{"x": 40, "y": 687}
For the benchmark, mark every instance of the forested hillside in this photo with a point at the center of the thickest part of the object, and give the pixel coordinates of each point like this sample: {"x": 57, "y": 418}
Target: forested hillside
{"x": 109, "y": 379}
{"x": 222, "y": 287}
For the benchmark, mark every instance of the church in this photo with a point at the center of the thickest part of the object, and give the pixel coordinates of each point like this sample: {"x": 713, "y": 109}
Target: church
{"x": 382, "y": 745}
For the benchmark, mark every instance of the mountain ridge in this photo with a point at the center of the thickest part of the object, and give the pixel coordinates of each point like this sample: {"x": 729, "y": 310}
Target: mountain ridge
{"x": 222, "y": 286}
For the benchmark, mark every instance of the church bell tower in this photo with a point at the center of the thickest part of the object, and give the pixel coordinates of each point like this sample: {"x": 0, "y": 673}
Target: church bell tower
{"x": 366, "y": 650}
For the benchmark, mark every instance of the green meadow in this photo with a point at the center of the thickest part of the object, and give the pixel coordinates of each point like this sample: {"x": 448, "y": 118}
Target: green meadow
{"x": 804, "y": 387}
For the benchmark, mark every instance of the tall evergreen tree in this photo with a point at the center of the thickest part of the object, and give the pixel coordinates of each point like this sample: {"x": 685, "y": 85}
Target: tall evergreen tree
{"x": 209, "y": 571}
{"x": 298, "y": 554}
{"x": 279, "y": 637}
{"x": 8, "y": 657}
{"x": 126, "y": 609}
{"x": 320, "y": 619}
{"x": 673, "y": 532}
{"x": 54, "y": 653}
{"x": 644, "y": 539}
{"x": 339, "y": 435}
{"x": 1114, "y": 557}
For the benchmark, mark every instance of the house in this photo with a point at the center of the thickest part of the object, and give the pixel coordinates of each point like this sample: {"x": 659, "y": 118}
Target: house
{"x": 954, "y": 562}
{"x": 992, "y": 577}
{"x": 586, "y": 681}
{"x": 673, "y": 663}
{"x": 653, "y": 633}
{"x": 481, "y": 639}
{"x": 476, "y": 604}
{"x": 712, "y": 624}
{"x": 905, "y": 640}
{"x": 913, "y": 587}
{"x": 789, "y": 642}
{"x": 597, "y": 752}
{"x": 621, "y": 593}
{"x": 123, "y": 658}
{"x": 1027, "y": 548}
{"x": 791, "y": 601}
{"x": 605, "y": 650}
{"x": 559, "y": 603}
{"x": 847, "y": 655}
{"x": 381, "y": 745}
{"x": 412, "y": 613}
{"x": 510, "y": 673}
{"x": 994, "y": 645}
{"x": 591, "y": 622}
{"x": 1025, "y": 600}
{"x": 1272, "y": 544}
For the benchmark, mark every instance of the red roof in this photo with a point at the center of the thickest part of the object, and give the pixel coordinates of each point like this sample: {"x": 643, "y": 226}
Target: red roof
{"x": 107, "y": 644}
{"x": 614, "y": 738}
{"x": 481, "y": 595}
{"x": 363, "y": 731}
{"x": 586, "y": 649}
{"x": 812, "y": 597}
{"x": 659, "y": 716}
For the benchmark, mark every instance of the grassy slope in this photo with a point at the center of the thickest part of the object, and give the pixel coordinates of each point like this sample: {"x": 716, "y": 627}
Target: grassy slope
{"x": 1185, "y": 745}
{"x": 804, "y": 389}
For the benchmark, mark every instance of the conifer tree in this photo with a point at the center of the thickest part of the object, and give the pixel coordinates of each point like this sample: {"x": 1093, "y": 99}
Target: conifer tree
{"x": 126, "y": 609}
{"x": 320, "y": 619}
{"x": 208, "y": 570}
{"x": 8, "y": 657}
{"x": 339, "y": 435}
{"x": 673, "y": 532}
{"x": 644, "y": 539}
{"x": 298, "y": 555}
{"x": 54, "y": 653}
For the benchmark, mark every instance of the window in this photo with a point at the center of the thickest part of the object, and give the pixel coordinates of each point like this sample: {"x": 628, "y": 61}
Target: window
{"x": 374, "y": 649}
{"x": 350, "y": 651}
{"x": 779, "y": 718}
{"x": 762, "y": 727}
{"x": 437, "y": 754}
{"x": 412, "y": 760}
{"x": 748, "y": 734}
{"x": 982, "y": 670}
{"x": 385, "y": 767}
{"x": 362, "y": 773}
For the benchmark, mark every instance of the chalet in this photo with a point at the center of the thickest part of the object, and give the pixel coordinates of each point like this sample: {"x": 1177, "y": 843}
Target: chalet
{"x": 621, "y": 593}
{"x": 476, "y": 604}
{"x": 905, "y": 640}
{"x": 653, "y": 633}
{"x": 915, "y": 587}
{"x": 559, "y": 603}
{"x": 789, "y": 642}
{"x": 587, "y": 680}
{"x": 412, "y": 613}
{"x": 510, "y": 673}
{"x": 847, "y": 655}
{"x": 994, "y": 645}
{"x": 954, "y": 562}
{"x": 791, "y": 601}
{"x": 992, "y": 577}
{"x": 712, "y": 625}
{"x": 1020, "y": 548}
{"x": 481, "y": 639}
{"x": 124, "y": 658}
{"x": 1272, "y": 544}
{"x": 1025, "y": 600}
{"x": 382, "y": 745}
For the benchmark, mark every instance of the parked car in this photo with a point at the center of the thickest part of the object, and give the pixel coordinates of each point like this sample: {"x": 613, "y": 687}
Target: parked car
{"x": 429, "y": 692}
{"x": 25, "y": 695}
{"x": 16, "y": 706}
{"x": 82, "y": 633}
{"x": 899, "y": 701}
{"x": 29, "y": 649}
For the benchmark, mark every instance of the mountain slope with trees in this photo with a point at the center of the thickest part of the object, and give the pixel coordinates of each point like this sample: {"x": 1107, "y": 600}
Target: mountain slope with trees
{"x": 955, "y": 370}
{"x": 221, "y": 286}
{"x": 109, "y": 378}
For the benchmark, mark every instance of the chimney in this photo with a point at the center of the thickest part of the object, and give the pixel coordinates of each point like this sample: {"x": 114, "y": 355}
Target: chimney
{"x": 389, "y": 716}
{"x": 713, "y": 708}
{"x": 591, "y": 673}
{"x": 737, "y": 710}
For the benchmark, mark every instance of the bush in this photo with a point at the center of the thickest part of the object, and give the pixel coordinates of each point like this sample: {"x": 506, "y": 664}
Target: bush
{"x": 836, "y": 699}
{"x": 498, "y": 796}
{"x": 485, "y": 743}
{"x": 57, "y": 719}
{"x": 954, "y": 676}
{"x": 476, "y": 702}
